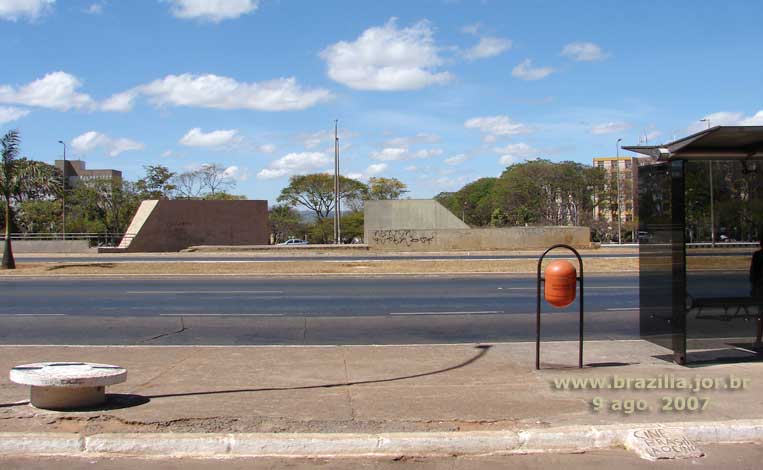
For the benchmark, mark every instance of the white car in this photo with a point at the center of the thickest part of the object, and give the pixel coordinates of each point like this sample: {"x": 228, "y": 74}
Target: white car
{"x": 294, "y": 241}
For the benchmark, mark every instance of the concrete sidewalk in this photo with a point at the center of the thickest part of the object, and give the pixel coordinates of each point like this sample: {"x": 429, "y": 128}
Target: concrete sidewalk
{"x": 384, "y": 389}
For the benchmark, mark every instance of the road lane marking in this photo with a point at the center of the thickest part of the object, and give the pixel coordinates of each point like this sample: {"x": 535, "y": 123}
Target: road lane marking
{"x": 446, "y": 313}
{"x": 36, "y": 315}
{"x": 221, "y": 314}
{"x": 162, "y": 292}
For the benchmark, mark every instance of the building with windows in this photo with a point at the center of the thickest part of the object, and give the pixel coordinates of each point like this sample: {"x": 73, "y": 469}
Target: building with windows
{"x": 75, "y": 171}
{"x": 620, "y": 197}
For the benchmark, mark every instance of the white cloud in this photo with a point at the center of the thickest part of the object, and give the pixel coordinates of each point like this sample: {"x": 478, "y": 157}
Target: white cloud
{"x": 754, "y": 120}
{"x": 214, "y": 91}
{"x": 13, "y": 10}
{"x": 214, "y": 139}
{"x": 94, "y": 9}
{"x": 427, "y": 153}
{"x": 449, "y": 183}
{"x": 472, "y": 29}
{"x": 494, "y": 126}
{"x": 310, "y": 141}
{"x": 513, "y": 153}
{"x": 376, "y": 169}
{"x": 294, "y": 163}
{"x": 387, "y": 58}
{"x": 267, "y": 148}
{"x": 56, "y": 90}
{"x": 583, "y": 51}
{"x": 167, "y": 153}
{"x": 389, "y": 154}
{"x": 487, "y": 47}
{"x": 10, "y": 114}
{"x": 727, "y": 118}
{"x": 526, "y": 71}
{"x": 456, "y": 159}
{"x": 609, "y": 127}
{"x": 235, "y": 173}
{"x": 652, "y": 135}
{"x": 411, "y": 168}
{"x": 214, "y": 11}
{"x": 93, "y": 140}
{"x": 119, "y": 102}
{"x": 420, "y": 138}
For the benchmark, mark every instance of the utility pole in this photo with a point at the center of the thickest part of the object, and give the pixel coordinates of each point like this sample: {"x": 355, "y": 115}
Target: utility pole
{"x": 337, "y": 198}
{"x": 619, "y": 208}
{"x": 63, "y": 197}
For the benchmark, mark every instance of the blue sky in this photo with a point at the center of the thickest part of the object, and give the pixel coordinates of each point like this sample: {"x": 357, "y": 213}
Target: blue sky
{"x": 436, "y": 93}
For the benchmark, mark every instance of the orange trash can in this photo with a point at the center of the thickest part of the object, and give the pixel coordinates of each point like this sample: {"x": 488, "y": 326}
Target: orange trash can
{"x": 560, "y": 283}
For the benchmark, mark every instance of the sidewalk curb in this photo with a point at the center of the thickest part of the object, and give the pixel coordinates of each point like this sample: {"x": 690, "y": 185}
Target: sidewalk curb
{"x": 561, "y": 439}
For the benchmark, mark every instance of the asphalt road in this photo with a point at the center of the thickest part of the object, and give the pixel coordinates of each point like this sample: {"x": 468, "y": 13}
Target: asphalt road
{"x": 193, "y": 310}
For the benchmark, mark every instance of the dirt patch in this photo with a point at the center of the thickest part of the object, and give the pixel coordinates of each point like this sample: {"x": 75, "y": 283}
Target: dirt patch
{"x": 364, "y": 267}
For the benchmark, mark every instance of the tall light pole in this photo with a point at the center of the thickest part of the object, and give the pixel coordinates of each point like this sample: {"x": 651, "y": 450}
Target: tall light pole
{"x": 619, "y": 209}
{"x": 337, "y": 199}
{"x": 712, "y": 193}
{"x": 63, "y": 196}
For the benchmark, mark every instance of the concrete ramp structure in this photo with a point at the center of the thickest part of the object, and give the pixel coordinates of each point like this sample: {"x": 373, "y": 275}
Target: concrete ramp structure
{"x": 165, "y": 226}
{"x": 426, "y": 225}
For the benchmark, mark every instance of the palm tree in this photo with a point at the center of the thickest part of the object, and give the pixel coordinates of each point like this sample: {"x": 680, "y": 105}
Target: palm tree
{"x": 19, "y": 177}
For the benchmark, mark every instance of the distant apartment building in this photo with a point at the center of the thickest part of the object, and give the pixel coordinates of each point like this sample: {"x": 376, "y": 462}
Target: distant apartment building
{"x": 627, "y": 176}
{"x": 75, "y": 171}
{"x": 622, "y": 181}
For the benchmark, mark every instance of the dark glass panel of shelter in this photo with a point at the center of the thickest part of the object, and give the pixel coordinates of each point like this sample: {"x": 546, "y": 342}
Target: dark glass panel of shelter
{"x": 662, "y": 255}
{"x": 721, "y": 309}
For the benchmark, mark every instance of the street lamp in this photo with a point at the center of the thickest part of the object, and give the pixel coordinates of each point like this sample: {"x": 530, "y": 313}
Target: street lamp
{"x": 619, "y": 223}
{"x": 712, "y": 195}
{"x": 63, "y": 197}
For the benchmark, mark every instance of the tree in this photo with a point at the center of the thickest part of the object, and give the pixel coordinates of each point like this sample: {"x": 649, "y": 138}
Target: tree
{"x": 316, "y": 192}
{"x": 285, "y": 223}
{"x": 474, "y": 201}
{"x": 204, "y": 183}
{"x": 36, "y": 216}
{"x": 188, "y": 184}
{"x": 18, "y": 177}
{"x": 352, "y": 226}
{"x": 322, "y": 231}
{"x": 157, "y": 184}
{"x": 385, "y": 188}
{"x": 102, "y": 206}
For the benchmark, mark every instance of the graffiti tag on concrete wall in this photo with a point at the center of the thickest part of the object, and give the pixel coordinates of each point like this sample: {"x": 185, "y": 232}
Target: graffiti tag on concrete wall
{"x": 402, "y": 237}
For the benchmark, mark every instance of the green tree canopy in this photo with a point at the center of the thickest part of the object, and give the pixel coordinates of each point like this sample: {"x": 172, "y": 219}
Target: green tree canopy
{"x": 316, "y": 192}
{"x": 285, "y": 223}
{"x": 157, "y": 184}
{"x": 380, "y": 188}
{"x": 20, "y": 178}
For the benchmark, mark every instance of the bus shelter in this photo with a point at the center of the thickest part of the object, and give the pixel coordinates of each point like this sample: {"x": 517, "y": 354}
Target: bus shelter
{"x": 701, "y": 195}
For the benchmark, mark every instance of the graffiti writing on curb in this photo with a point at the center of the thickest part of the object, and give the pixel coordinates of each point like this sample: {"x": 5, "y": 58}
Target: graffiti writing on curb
{"x": 401, "y": 237}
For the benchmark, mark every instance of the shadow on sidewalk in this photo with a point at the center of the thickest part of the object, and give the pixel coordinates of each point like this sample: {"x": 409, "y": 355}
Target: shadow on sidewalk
{"x": 483, "y": 349}
{"x": 114, "y": 401}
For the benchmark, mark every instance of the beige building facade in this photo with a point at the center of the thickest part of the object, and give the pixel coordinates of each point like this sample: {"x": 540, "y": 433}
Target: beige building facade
{"x": 76, "y": 171}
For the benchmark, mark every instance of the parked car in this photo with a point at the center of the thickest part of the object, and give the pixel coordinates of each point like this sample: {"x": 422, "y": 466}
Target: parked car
{"x": 294, "y": 241}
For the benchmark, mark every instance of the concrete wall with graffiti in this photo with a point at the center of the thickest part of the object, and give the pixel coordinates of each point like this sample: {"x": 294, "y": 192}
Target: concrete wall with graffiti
{"x": 425, "y": 225}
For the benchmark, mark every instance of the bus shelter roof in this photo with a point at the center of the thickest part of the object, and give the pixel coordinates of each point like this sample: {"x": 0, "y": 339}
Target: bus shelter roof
{"x": 715, "y": 143}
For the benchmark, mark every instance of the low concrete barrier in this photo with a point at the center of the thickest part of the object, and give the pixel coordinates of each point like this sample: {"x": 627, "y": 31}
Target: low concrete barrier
{"x": 51, "y": 246}
{"x": 278, "y": 248}
{"x": 512, "y": 238}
